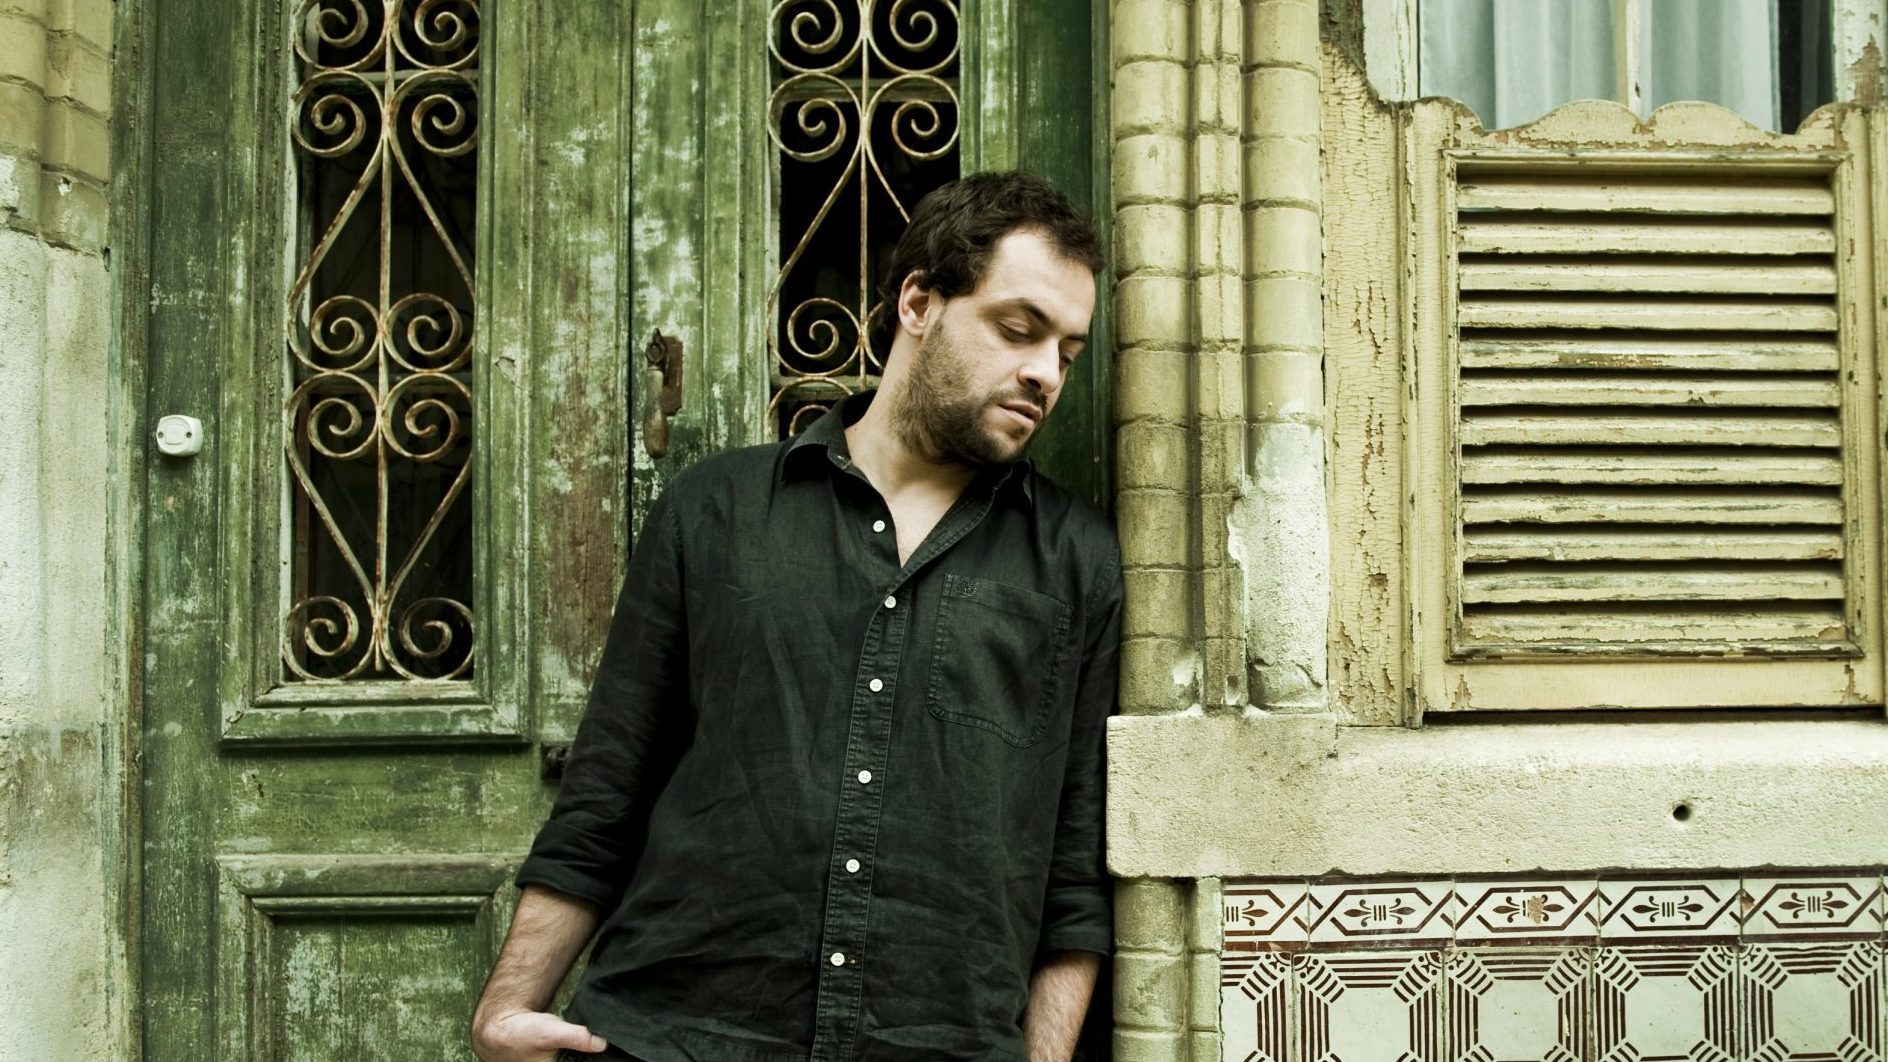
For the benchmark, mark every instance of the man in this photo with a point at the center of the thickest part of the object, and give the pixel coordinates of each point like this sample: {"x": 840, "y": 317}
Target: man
{"x": 837, "y": 792}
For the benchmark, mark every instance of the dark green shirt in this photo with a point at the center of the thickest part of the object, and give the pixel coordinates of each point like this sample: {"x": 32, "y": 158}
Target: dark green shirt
{"x": 833, "y": 807}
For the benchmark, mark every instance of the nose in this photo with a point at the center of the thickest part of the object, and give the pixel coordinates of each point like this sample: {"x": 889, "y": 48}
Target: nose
{"x": 1041, "y": 370}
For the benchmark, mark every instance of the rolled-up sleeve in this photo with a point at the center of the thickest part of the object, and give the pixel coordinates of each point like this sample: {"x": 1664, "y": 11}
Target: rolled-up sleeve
{"x": 1075, "y": 912}
{"x": 633, "y": 728}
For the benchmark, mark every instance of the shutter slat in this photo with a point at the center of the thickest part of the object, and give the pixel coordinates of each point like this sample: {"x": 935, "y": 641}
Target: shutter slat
{"x": 1499, "y": 545}
{"x": 1667, "y": 507}
{"x": 1642, "y": 195}
{"x": 1782, "y": 276}
{"x": 1508, "y": 234}
{"x": 1672, "y": 428}
{"x": 1652, "y": 352}
{"x": 1548, "y": 311}
{"x": 1818, "y": 469}
{"x": 1648, "y": 630}
{"x": 1538, "y": 389}
{"x": 1543, "y": 584}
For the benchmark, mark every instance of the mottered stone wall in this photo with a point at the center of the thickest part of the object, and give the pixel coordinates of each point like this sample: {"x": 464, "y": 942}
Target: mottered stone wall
{"x": 63, "y": 974}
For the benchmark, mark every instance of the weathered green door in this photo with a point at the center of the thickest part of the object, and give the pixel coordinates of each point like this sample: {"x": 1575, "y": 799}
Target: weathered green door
{"x": 402, "y": 260}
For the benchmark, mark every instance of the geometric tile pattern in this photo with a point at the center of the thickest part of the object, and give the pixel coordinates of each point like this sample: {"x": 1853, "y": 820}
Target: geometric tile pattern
{"x": 1811, "y": 1002}
{"x": 1375, "y": 914}
{"x": 1505, "y": 1005}
{"x": 1665, "y": 1004}
{"x": 1771, "y": 967}
{"x": 1360, "y": 1004}
{"x": 1689, "y": 909}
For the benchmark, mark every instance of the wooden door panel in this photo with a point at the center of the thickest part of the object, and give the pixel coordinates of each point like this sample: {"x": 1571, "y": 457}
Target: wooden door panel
{"x": 339, "y": 957}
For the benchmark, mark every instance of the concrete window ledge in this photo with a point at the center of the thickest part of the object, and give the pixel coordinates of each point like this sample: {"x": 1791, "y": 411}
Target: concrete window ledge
{"x": 1256, "y": 795}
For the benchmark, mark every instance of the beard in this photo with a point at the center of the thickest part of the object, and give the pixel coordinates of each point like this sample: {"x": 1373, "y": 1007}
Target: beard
{"x": 938, "y": 416}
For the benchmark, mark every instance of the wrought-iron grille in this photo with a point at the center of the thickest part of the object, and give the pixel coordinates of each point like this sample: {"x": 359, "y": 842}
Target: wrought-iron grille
{"x": 865, "y": 117}
{"x": 380, "y": 322}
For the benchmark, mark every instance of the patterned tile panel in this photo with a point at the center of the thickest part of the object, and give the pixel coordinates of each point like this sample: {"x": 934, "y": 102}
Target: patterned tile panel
{"x": 1265, "y": 916}
{"x": 1380, "y": 914}
{"x": 1778, "y": 966}
{"x": 1527, "y": 911}
{"x": 1254, "y": 1007}
{"x": 1665, "y": 1004}
{"x": 1799, "y": 1003}
{"x": 1835, "y": 906}
{"x": 1354, "y": 1006}
{"x": 1509, "y": 1005}
{"x": 1633, "y": 911}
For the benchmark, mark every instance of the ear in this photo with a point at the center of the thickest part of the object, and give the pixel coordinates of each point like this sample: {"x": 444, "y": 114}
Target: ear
{"x": 917, "y": 304}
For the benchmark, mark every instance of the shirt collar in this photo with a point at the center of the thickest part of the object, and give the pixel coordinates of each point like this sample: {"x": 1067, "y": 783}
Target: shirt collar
{"x": 827, "y": 437}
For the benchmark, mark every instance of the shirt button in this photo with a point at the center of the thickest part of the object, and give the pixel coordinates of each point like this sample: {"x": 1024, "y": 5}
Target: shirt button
{"x": 852, "y": 866}
{"x": 839, "y": 958}
{"x": 875, "y": 685}
{"x": 891, "y": 602}
{"x": 878, "y": 525}
{"x": 865, "y": 777}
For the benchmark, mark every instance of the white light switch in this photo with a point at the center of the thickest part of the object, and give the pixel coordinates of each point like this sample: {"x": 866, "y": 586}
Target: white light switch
{"x": 179, "y": 436}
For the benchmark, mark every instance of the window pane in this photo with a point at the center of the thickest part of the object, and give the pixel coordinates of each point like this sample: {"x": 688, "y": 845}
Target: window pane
{"x": 1514, "y": 62}
{"x": 1805, "y": 60}
{"x": 1769, "y": 60}
{"x": 865, "y": 119}
{"x": 1723, "y": 51}
{"x": 379, "y": 329}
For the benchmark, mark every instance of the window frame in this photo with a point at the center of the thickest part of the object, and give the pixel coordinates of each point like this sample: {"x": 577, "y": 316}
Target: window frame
{"x": 1393, "y": 38}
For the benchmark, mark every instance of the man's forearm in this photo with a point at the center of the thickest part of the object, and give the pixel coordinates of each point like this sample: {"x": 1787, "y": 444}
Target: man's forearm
{"x": 547, "y": 932}
{"x": 1058, "y": 1001}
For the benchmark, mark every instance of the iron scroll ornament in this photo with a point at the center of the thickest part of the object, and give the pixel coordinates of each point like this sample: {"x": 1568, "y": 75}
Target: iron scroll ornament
{"x": 380, "y": 329}
{"x": 865, "y": 118}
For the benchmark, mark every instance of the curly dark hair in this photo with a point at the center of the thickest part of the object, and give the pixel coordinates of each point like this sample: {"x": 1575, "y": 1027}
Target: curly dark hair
{"x": 955, "y": 228}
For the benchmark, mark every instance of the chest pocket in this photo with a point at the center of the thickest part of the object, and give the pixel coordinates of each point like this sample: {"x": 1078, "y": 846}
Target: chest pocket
{"x": 999, "y": 659}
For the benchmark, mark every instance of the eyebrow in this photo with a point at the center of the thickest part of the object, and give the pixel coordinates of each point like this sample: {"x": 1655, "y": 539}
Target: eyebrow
{"x": 1040, "y": 317}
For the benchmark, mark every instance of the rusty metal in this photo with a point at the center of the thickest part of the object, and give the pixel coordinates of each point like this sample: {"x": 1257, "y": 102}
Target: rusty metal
{"x": 552, "y": 759}
{"x": 378, "y": 378}
{"x": 845, "y": 71}
{"x": 661, "y": 391}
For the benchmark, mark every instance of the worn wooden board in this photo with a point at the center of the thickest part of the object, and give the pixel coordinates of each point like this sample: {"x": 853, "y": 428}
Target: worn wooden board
{"x": 1365, "y": 338}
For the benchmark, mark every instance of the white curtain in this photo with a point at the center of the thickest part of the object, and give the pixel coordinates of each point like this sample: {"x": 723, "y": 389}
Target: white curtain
{"x": 1515, "y": 60}
{"x": 1724, "y": 51}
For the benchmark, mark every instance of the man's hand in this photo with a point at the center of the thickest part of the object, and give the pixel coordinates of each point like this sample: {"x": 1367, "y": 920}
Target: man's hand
{"x": 510, "y": 1025}
{"x": 529, "y": 1036}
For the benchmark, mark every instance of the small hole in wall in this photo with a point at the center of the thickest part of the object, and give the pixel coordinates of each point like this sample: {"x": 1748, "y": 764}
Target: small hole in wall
{"x": 1681, "y": 812}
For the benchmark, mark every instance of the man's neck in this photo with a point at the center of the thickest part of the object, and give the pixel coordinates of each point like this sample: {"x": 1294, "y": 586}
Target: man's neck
{"x": 893, "y": 466}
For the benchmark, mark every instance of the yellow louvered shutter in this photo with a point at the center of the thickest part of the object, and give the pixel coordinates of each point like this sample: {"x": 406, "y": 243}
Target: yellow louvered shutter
{"x": 1649, "y": 399}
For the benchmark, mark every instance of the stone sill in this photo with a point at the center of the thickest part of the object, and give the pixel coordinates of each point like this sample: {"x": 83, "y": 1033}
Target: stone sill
{"x": 1255, "y": 795}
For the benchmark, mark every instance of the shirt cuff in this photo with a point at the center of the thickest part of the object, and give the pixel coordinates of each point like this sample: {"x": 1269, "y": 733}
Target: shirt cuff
{"x": 1077, "y": 919}
{"x": 575, "y": 863}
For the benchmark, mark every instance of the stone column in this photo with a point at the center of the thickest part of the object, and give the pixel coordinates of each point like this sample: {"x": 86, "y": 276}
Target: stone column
{"x": 1281, "y": 528}
{"x": 60, "y": 708}
{"x": 1151, "y": 153}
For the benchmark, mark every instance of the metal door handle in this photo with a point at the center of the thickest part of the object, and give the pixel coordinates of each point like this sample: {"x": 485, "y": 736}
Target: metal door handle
{"x": 552, "y": 759}
{"x": 661, "y": 390}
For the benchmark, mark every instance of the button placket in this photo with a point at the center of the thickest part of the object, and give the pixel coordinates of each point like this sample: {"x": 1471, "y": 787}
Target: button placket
{"x": 840, "y": 987}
